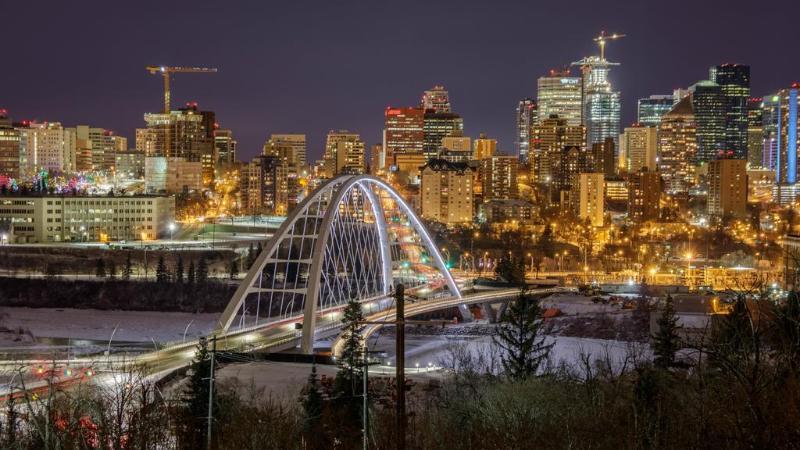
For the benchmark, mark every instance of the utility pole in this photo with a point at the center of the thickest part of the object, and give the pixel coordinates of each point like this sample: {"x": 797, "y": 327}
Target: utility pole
{"x": 211, "y": 391}
{"x": 400, "y": 352}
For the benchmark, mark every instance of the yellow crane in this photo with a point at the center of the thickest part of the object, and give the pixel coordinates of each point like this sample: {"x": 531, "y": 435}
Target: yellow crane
{"x": 603, "y": 38}
{"x": 167, "y": 71}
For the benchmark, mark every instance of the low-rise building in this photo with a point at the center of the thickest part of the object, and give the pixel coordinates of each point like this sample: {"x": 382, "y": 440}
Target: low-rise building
{"x": 512, "y": 211}
{"x": 445, "y": 193}
{"x": 27, "y": 219}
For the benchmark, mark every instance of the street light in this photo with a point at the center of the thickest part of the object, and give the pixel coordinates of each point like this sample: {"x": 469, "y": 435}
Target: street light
{"x": 171, "y": 231}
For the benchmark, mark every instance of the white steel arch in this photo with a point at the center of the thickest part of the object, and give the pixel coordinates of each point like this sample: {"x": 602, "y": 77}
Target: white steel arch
{"x": 351, "y": 238}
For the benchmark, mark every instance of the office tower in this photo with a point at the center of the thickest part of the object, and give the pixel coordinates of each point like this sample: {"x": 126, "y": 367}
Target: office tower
{"x": 770, "y": 111}
{"x": 436, "y": 126}
{"x": 344, "y": 154}
{"x": 499, "y": 177}
{"x": 638, "y": 146}
{"x": 484, "y": 147}
{"x": 526, "y": 117}
{"x": 734, "y": 80}
{"x": 644, "y": 195}
{"x": 549, "y": 137}
{"x": 588, "y": 198}
{"x": 9, "y": 150}
{"x": 96, "y": 149}
{"x": 224, "y": 148}
{"x": 291, "y": 148}
{"x": 755, "y": 132}
{"x": 783, "y": 128}
{"x": 129, "y": 165}
{"x": 603, "y": 158}
{"x": 46, "y": 146}
{"x": 678, "y": 95}
{"x": 650, "y": 109}
{"x": 436, "y": 99}
{"x": 677, "y": 147}
{"x": 402, "y": 133}
{"x": 601, "y": 104}
{"x": 708, "y": 103}
{"x": 727, "y": 187}
{"x": 445, "y": 193}
{"x": 560, "y": 94}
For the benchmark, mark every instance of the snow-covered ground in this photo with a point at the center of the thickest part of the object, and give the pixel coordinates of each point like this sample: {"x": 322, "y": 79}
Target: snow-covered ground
{"x": 90, "y": 324}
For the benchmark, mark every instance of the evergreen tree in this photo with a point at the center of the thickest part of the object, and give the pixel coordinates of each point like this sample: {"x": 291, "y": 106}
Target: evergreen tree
{"x": 201, "y": 273}
{"x": 348, "y": 383}
{"x": 311, "y": 402}
{"x": 511, "y": 270}
{"x": 520, "y": 336}
{"x": 666, "y": 341}
{"x": 100, "y": 268}
{"x": 179, "y": 270}
{"x": 787, "y": 325}
{"x": 127, "y": 271}
{"x": 191, "y": 273}
{"x": 195, "y": 397}
{"x": 233, "y": 270}
{"x": 162, "y": 274}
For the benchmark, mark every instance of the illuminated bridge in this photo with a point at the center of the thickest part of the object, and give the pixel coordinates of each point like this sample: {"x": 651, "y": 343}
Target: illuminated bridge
{"x": 352, "y": 238}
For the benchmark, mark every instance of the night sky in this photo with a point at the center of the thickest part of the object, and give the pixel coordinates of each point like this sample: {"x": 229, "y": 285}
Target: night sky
{"x": 310, "y": 66}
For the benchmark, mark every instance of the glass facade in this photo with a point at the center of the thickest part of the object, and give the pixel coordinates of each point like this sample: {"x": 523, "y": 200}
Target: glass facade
{"x": 526, "y": 115}
{"x": 709, "y": 111}
{"x": 651, "y": 109}
{"x": 734, "y": 81}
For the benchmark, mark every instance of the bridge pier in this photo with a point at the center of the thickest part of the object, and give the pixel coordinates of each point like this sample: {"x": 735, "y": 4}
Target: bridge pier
{"x": 466, "y": 314}
{"x": 501, "y": 310}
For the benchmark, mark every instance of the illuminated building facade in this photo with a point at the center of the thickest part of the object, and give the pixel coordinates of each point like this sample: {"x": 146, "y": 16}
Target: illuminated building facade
{"x": 734, "y": 81}
{"x": 484, "y": 147}
{"x": 46, "y": 146}
{"x": 9, "y": 149}
{"x": 549, "y": 137}
{"x": 727, "y": 187}
{"x": 224, "y": 148}
{"x": 588, "y": 198}
{"x": 560, "y": 94}
{"x": 601, "y": 104}
{"x": 436, "y": 126}
{"x": 755, "y": 132}
{"x": 344, "y": 154}
{"x": 526, "y": 118}
{"x": 708, "y": 102}
{"x": 96, "y": 149}
{"x": 445, "y": 193}
{"x": 644, "y": 195}
{"x": 638, "y": 146}
{"x": 436, "y": 99}
{"x": 677, "y": 147}
{"x": 651, "y": 109}
{"x": 402, "y": 133}
{"x": 499, "y": 177}
{"x": 784, "y": 133}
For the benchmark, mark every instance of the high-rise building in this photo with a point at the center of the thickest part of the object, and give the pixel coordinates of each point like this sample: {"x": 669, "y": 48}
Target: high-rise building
{"x": 402, "y": 133}
{"x": 638, "y": 146}
{"x": 445, "y": 193}
{"x": 601, "y": 104}
{"x": 436, "y": 99}
{"x": 727, "y": 187}
{"x": 375, "y": 157}
{"x": 291, "y": 148}
{"x": 783, "y": 128}
{"x": 436, "y": 126}
{"x": 46, "y": 146}
{"x": 344, "y": 154}
{"x": 755, "y": 132}
{"x": 526, "y": 118}
{"x": 560, "y": 94}
{"x": 770, "y": 110}
{"x": 224, "y": 147}
{"x": 499, "y": 177}
{"x": 289, "y": 151}
{"x": 651, "y": 109}
{"x": 96, "y": 149}
{"x": 566, "y": 164}
{"x": 734, "y": 81}
{"x": 550, "y": 136}
{"x": 588, "y": 198}
{"x": 603, "y": 158}
{"x": 484, "y": 147}
{"x": 644, "y": 195}
{"x": 9, "y": 149}
{"x": 677, "y": 147}
{"x": 708, "y": 102}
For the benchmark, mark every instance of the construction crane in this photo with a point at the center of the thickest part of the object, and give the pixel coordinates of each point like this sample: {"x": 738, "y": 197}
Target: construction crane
{"x": 603, "y": 38}
{"x": 166, "y": 72}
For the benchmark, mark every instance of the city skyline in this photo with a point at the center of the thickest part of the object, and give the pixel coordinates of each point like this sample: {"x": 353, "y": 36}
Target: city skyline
{"x": 255, "y": 100}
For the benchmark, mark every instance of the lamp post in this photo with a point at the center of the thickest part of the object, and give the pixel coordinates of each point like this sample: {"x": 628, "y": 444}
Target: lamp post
{"x": 171, "y": 231}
